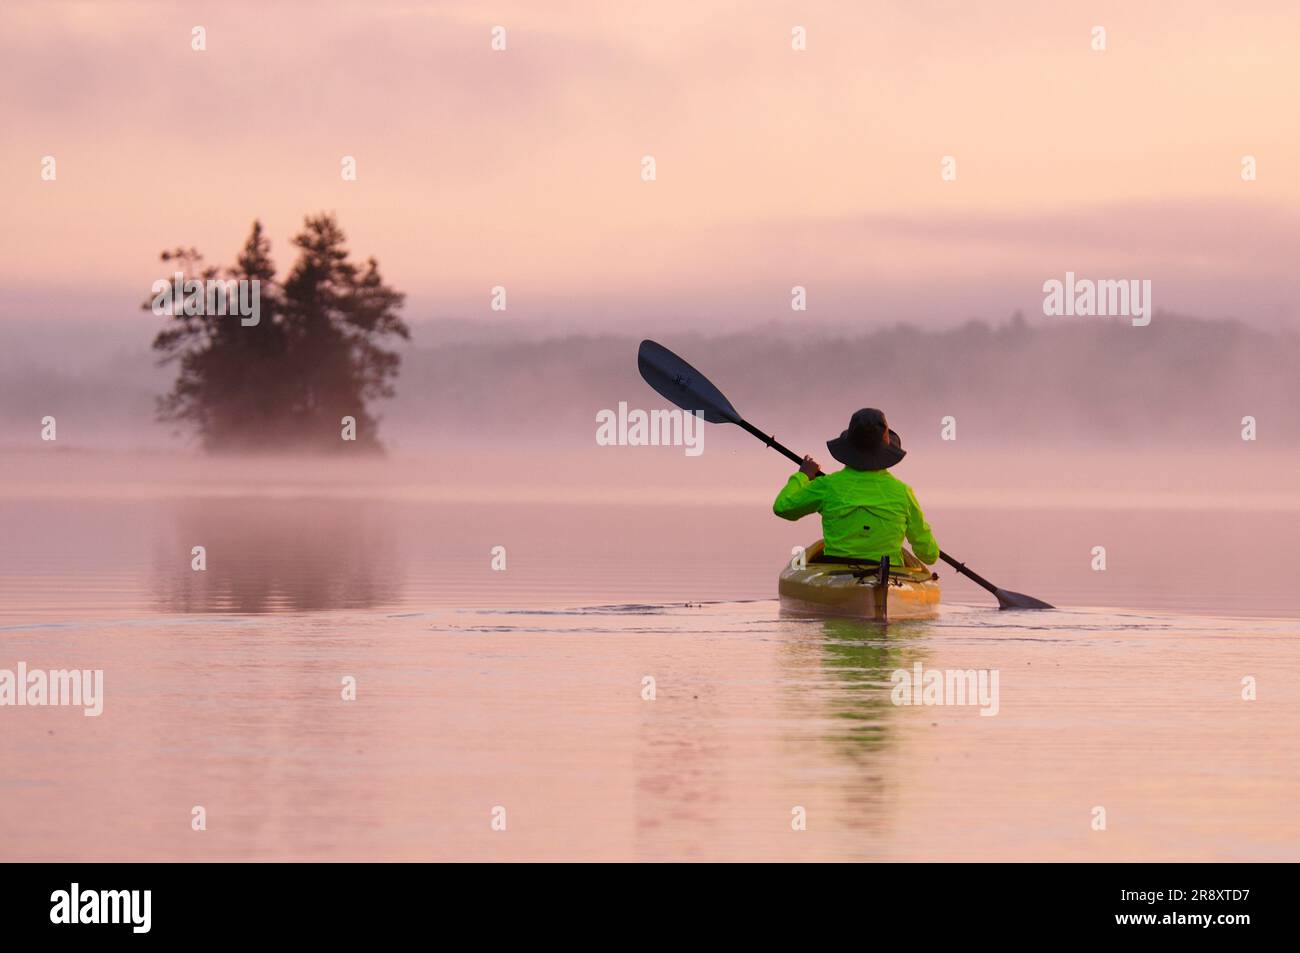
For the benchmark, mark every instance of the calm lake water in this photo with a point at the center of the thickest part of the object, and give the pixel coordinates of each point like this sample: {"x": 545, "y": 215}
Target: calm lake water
{"x": 523, "y": 689}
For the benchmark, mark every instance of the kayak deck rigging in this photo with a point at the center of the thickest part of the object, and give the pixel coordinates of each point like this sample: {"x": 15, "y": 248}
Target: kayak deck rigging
{"x": 853, "y": 589}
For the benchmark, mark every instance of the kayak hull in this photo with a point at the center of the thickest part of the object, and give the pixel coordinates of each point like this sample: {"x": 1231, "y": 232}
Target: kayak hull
{"x": 846, "y": 591}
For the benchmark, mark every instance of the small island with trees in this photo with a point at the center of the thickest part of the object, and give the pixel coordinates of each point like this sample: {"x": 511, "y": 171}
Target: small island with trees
{"x": 314, "y": 355}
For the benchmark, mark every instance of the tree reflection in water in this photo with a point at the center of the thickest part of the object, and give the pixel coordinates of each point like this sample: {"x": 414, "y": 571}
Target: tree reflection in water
{"x": 267, "y": 555}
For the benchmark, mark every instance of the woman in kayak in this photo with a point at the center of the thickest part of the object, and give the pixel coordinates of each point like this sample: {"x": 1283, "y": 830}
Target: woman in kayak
{"x": 866, "y": 511}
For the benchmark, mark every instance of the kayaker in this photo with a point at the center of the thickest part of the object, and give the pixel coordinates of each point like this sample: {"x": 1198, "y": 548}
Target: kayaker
{"x": 866, "y": 510}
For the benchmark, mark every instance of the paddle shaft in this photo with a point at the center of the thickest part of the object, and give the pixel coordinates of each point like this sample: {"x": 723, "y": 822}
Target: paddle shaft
{"x": 780, "y": 448}
{"x": 969, "y": 574}
{"x": 770, "y": 441}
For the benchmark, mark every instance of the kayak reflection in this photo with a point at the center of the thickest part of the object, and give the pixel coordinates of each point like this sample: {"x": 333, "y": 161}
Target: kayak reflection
{"x": 862, "y": 657}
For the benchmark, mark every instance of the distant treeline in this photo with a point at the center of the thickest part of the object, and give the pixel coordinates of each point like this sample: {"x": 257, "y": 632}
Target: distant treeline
{"x": 1040, "y": 382}
{"x": 1178, "y": 380}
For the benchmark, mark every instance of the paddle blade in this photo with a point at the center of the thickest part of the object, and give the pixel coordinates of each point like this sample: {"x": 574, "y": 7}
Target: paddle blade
{"x": 1018, "y": 600}
{"x": 682, "y": 384}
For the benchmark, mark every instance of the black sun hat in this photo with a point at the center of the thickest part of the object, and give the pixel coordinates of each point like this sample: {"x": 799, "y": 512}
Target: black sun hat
{"x": 868, "y": 444}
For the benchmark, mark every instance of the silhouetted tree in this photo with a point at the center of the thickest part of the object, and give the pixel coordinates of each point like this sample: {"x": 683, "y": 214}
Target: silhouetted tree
{"x": 313, "y": 357}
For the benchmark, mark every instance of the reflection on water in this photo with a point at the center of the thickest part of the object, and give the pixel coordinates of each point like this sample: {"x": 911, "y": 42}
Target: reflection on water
{"x": 838, "y": 674}
{"x": 862, "y": 657}
{"x": 116, "y": 556}
{"x": 754, "y": 716}
{"x": 276, "y": 556}
{"x": 482, "y": 688}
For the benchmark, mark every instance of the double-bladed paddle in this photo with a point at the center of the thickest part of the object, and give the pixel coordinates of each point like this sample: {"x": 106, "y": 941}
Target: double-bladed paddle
{"x": 690, "y": 390}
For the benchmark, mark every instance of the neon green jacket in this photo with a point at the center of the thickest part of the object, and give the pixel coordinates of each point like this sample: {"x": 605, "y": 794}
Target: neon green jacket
{"x": 865, "y": 514}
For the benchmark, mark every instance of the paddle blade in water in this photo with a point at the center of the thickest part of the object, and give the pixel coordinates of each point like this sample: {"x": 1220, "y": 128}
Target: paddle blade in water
{"x": 682, "y": 384}
{"x": 1018, "y": 600}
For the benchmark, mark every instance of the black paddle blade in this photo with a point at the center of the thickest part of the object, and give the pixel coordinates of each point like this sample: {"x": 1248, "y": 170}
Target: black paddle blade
{"x": 682, "y": 384}
{"x": 1018, "y": 600}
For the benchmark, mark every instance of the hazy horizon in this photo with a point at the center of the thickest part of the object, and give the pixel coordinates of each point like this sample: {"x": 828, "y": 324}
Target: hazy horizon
{"x": 1178, "y": 385}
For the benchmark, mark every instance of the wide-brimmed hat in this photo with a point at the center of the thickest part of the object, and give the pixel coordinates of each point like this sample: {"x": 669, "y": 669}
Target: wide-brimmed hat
{"x": 868, "y": 444}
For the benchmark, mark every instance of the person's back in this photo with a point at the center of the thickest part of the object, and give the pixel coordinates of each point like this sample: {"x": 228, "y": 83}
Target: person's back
{"x": 866, "y": 511}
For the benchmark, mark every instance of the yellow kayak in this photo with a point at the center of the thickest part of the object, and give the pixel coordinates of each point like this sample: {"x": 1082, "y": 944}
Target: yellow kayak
{"x": 848, "y": 589}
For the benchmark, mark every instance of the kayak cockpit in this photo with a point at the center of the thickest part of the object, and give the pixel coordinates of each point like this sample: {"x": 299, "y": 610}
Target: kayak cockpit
{"x": 858, "y": 589}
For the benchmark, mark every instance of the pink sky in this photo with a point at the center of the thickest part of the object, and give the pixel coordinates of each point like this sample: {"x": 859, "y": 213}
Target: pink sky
{"x": 775, "y": 167}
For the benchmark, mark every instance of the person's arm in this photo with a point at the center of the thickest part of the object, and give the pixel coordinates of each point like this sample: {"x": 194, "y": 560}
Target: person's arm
{"x": 918, "y": 532}
{"x": 801, "y": 494}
